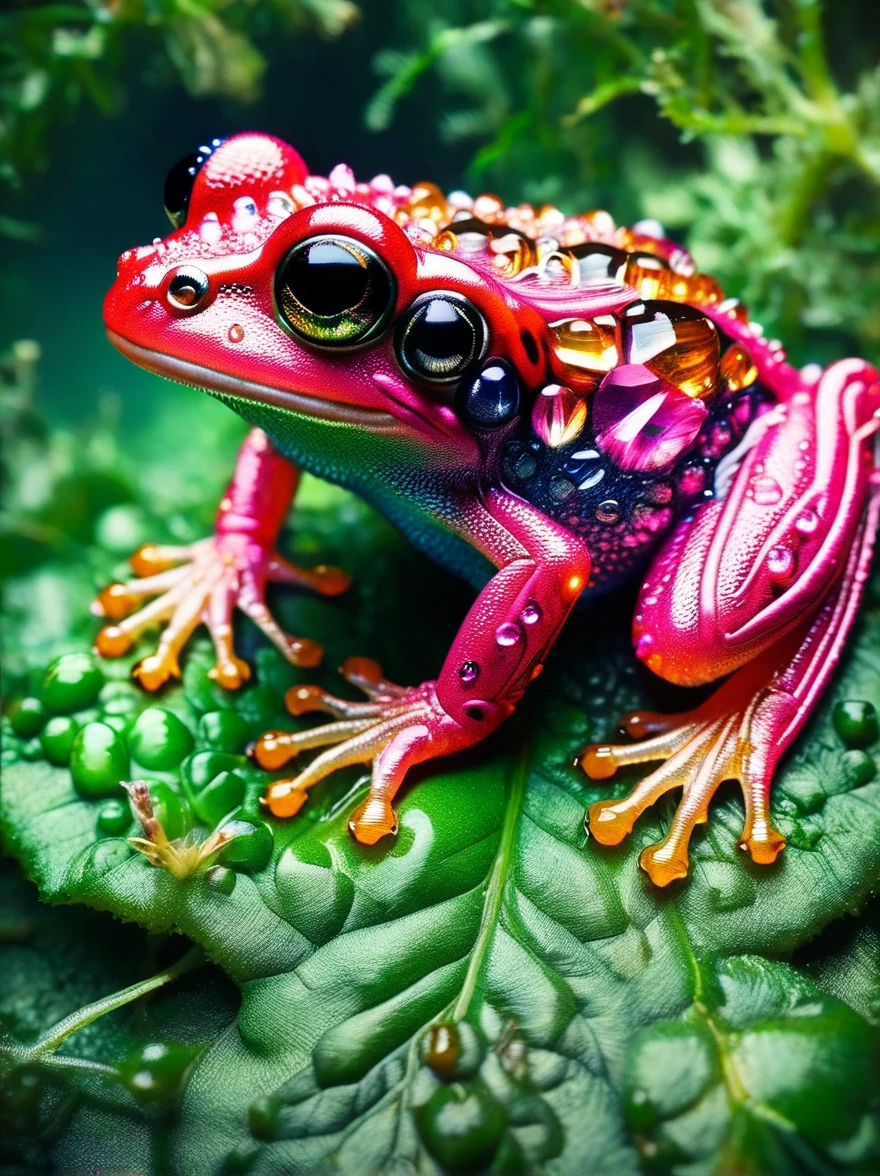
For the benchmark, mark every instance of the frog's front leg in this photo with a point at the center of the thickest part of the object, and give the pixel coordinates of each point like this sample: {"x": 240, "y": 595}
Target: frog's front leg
{"x": 497, "y": 652}
{"x": 764, "y": 581}
{"x": 207, "y": 580}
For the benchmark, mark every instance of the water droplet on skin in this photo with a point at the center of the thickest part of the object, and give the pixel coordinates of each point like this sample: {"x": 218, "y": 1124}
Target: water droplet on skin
{"x": 508, "y": 634}
{"x": 210, "y": 230}
{"x": 608, "y": 511}
{"x": 641, "y": 421}
{"x": 559, "y": 415}
{"x": 780, "y": 563}
{"x": 244, "y": 213}
{"x": 469, "y": 672}
{"x": 766, "y": 490}
{"x": 560, "y": 488}
{"x": 593, "y": 480}
{"x": 236, "y": 333}
{"x": 531, "y": 614}
{"x": 807, "y": 522}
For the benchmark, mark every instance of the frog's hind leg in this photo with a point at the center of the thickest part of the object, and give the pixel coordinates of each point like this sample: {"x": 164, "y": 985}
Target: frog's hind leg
{"x": 740, "y": 733}
{"x": 762, "y": 583}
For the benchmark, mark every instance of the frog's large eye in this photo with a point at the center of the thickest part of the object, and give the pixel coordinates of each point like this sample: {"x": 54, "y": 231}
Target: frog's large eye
{"x": 333, "y": 291}
{"x": 440, "y": 337}
{"x": 180, "y": 179}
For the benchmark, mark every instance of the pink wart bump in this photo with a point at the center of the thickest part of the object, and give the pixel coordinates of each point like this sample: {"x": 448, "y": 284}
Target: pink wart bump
{"x": 641, "y": 421}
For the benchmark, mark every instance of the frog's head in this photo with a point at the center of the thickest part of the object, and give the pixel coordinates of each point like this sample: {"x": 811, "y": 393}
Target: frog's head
{"x": 372, "y": 329}
{"x": 321, "y": 308}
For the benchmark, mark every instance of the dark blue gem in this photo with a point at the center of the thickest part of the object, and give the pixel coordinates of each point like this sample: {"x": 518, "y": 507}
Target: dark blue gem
{"x": 490, "y": 400}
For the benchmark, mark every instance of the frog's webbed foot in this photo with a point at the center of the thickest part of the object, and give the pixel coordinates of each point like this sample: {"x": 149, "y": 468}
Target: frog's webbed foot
{"x": 701, "y": 750}
{"x": 397, "y": 727}
{"x": 204, "y": 583}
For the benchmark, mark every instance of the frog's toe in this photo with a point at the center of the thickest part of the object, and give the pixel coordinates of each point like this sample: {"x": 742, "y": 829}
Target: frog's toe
{"x": 117, "y": 639}
{"x": 373, "y": 820}
{"x": 698, "y": 754}
{"x": 362, "y": 733}
{"x": 204, "y": 583}
{"x": 352, "y": 741}
{"x": 329, "y": 581}
{"x": 299, "y": 651}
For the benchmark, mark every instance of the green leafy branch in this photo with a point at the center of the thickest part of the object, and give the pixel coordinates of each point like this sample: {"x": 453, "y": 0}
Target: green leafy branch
{"x": 53, "y": 57}
{"x": 776, "y": 175}
{"x": 43, "y": 1051}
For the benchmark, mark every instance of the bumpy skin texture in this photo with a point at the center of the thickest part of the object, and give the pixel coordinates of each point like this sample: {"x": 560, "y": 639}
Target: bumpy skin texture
{"x": 555, "y": 398}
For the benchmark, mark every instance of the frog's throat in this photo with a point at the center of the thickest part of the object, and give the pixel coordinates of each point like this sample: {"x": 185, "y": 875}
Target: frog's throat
{"x": 208, "y": 380}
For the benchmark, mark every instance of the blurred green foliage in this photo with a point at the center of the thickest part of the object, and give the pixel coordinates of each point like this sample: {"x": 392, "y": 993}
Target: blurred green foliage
{"x": 749, "y": 127}
{"x": 55, "y": 56}
{"x": 775, "y": 175}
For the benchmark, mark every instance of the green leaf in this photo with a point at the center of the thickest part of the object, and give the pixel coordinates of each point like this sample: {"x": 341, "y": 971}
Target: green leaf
{"x": 53, "y": 961}
{"x": 763, "y": 1073}
{"x": 480, "y": 992}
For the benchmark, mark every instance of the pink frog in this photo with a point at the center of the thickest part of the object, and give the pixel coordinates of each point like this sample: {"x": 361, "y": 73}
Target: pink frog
{"x": 547, "y": 404}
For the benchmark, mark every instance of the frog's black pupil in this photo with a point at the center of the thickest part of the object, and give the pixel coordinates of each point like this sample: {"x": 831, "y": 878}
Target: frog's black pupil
{"x": 441, "y": 332}
{"x": 326, "y": 278}
{"x": 185, "y": 289}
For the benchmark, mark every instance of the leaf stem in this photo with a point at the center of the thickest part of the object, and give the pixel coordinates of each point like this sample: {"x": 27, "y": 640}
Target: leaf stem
{"x": 86, "y": 1065}
{"x": 59, "y": 1033}
{"x": 494, "y": 889}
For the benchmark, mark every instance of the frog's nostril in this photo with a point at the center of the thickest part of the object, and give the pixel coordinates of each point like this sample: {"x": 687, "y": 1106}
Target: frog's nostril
{"x": 187, "y": 288}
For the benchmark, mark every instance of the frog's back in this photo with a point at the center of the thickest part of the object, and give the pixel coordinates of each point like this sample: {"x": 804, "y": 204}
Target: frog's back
{"x": 651, "y": 376}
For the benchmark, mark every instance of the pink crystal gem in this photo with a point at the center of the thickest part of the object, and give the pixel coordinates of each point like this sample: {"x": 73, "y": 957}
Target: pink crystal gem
{"x": 641, "y": 421}
{"x": 558, "y": 415}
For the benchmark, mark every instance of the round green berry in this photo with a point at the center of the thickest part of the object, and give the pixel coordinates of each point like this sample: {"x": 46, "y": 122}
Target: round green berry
{"x": 223, "y": 730}
{"x": 114, "y": 817}
{"x": 57, "y": 739}
{"x": 860, "y": 767}
{"x": 98, "y": 761}
{"x": 155, "y": 1070}
{"x": 170, "y": 809}
{"x": 204, "y": 766}
{"x": 221, "y": 879}
{"x": 250, "y": 847}
{"x": 27, "y": 717}
{"x": 31, "y": 750}
{"x": 71, "y": 683}
{"x": 223, "y": 794}
{"x": 462, "y": 1126}
{"x": 855, "y": 721}
{"x": 159, "y": 740}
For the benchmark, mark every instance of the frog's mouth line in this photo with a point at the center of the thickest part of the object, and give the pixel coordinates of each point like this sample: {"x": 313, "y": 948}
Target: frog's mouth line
{"x": 185, "y": 372}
